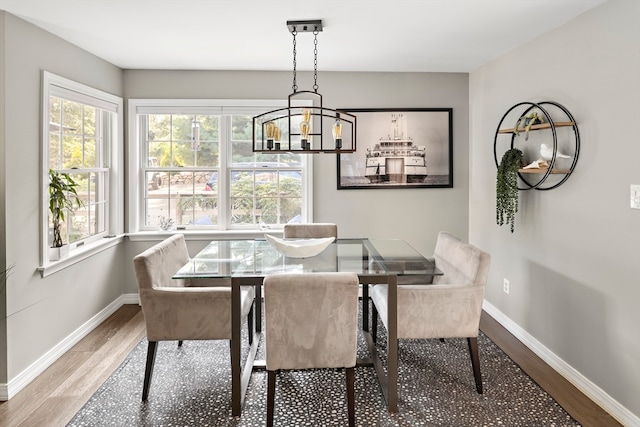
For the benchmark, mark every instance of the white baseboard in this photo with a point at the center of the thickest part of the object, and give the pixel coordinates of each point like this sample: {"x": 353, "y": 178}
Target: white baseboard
{"x": 131, "y": 299}
{"x": 591, "y": 390}
{"x": 8, "y": 390}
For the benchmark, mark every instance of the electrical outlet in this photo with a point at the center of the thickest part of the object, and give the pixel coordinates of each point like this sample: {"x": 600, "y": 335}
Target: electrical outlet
{"x": 505, "y": 286}
{"x": 635, "y": 196}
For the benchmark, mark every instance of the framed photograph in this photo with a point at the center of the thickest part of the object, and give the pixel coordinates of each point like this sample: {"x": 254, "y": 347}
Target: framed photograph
{"x": 399, "y": 148}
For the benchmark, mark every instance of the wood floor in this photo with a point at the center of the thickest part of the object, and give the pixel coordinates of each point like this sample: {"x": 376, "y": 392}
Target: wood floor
{"x": 57, "y": 394}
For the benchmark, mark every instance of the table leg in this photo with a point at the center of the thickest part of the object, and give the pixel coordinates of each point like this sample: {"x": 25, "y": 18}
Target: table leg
{"x": 236, "y": 381}
{"x": 258, "y": 308}
{"x": 388, "y": 380}
{"x": 392, "y": 345}
{"x": 365, "y": 307}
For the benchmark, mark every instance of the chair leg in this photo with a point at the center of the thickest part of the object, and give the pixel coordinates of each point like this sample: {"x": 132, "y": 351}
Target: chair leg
{"x": 374, "y": 322}
{"x": 250, "y": 324}
{"x": 271, "y": 395}
{"x": 475, "y": 362}
{"x": 179, "y": 343}
{"x": 351, "y": 396}
{"x": 151, "y": 358}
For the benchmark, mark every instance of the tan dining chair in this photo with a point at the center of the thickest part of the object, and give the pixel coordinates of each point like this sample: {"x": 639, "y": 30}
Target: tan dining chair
{"x": 310, "y": 231}
{"x": 311, "y": 322}
{"x": 450, "y": 306}
{"x": 172, "y": 309}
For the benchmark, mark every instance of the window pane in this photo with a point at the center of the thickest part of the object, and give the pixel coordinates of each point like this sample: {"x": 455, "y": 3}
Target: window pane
{"x": 72, "y": 116}
{"x": 206, "y": 137}
{"x": 242, "y": 194}
{"x": 241, "y": 140}
{"x": 157, "y": 206}
{"x": 90, "y": 156}
{"x": 54, "y": 150}
{"x": 55, "y": 112}
{"x": 198, "y": 209}
{"x": 182, "y": 150}
{"x": 159, "y": 127}
{"x": 89, "y": 120}
{"x": 71, "y": 151}
{"x": 257, "y": 187}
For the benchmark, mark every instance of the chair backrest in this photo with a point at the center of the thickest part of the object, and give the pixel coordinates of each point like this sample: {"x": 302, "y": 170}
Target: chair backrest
{"x": 178, "y": 313}
{"x": 310, "y": 231}
{"x": 156, "y": 266}
{"x": 461, "y": 263}
{"x": 311, "y": 320}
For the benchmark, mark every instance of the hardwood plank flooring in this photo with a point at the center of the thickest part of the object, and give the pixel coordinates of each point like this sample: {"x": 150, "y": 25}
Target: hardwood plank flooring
{"x": 55, "y": 396}
{"x": 579, "y": 406}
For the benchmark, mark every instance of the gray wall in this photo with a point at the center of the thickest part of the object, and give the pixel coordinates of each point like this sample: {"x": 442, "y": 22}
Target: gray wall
{"x": 40, "y": 313}
{"x": 574, "y": 259}
{"x": 416, "y": 215}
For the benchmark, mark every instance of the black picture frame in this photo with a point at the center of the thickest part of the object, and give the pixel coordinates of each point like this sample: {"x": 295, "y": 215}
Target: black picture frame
{"x": 399, "y": 148}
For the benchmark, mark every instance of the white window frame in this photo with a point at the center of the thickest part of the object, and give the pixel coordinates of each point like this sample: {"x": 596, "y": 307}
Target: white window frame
{"x": 137, "y": 181}
{"x": 54, "y": 85}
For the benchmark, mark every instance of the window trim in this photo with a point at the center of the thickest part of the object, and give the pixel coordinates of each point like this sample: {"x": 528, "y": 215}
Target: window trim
{"x": 136, "y": 179}
{"x": 54, "y": 85}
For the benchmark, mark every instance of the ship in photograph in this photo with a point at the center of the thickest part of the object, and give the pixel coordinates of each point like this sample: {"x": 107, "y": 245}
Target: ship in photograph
{"x": 395, "y": 159}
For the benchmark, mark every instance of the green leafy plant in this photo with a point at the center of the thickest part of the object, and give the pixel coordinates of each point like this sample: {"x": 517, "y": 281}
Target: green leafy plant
{"x": 62, "y": 196}
{"x": 507, "y": 187}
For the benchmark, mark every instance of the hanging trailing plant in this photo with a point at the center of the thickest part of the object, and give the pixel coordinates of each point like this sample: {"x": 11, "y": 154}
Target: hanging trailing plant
{"x": 507, "y": 187}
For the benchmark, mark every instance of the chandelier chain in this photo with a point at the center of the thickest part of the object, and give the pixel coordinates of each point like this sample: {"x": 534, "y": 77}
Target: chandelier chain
{"x": 315, "y": 60}
{"x": 295, "y": 84}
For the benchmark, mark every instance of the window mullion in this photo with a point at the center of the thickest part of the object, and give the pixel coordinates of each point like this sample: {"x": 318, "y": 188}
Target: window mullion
{"x": 224, "y": 190}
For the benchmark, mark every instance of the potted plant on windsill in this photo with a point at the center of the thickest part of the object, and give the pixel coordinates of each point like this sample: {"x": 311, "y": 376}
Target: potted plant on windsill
{"x": 507, "y": 187}
{"x": 62, "y": 196}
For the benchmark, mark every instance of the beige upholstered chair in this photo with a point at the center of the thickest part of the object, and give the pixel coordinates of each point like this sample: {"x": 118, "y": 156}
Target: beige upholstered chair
{"x": 311, "y": 322}
{"x": 450, "y": 307}
{"x": 172, "y": 309}
{"x": 310, "y": 231}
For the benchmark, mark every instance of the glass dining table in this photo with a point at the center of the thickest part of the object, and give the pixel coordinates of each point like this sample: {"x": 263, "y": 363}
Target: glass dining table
{"x": 376, "y": 261}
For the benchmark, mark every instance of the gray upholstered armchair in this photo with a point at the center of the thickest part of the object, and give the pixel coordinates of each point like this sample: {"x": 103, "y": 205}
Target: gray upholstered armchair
{"x": 450, "y": 307}
{"x": 172, "y": 309}
{"x": 311, "y": 322}
{"x": 310, "y": 231}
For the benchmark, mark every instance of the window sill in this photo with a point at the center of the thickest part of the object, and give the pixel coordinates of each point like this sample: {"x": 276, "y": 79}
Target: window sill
{"x": 144, "y": 236}
{"x": 80, "y": 254}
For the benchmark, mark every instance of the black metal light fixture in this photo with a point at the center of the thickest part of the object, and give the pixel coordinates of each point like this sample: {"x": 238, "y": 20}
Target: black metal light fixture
{"x": 300, "y": 126}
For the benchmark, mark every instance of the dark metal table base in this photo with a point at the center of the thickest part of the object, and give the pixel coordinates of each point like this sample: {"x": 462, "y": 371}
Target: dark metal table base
{"x": 240, "y": 377}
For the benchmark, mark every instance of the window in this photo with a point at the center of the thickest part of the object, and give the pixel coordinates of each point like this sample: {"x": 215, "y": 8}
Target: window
{"x": 196, "y": 168}
{"x": 80, "y": 137}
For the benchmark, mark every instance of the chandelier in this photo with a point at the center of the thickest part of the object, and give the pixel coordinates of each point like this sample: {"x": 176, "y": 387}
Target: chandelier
{"x": 302, "y": 125}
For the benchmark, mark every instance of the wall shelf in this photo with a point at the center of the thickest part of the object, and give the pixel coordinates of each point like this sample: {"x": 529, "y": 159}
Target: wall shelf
{"x": 538, "y": 127}
{"x": 544, "y": 170}
{"x": 550, "y": 125}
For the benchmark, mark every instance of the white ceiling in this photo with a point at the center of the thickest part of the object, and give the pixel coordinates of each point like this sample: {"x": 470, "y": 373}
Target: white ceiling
{"x": 359, "y": 35}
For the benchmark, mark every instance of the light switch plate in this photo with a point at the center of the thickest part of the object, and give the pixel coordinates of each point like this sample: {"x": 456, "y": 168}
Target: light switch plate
{"x": 635, "y": 196}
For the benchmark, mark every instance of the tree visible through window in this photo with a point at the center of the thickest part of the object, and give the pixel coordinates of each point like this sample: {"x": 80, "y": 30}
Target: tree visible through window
{"x": 80, "y": 131}
{"x": 199, "y": 171}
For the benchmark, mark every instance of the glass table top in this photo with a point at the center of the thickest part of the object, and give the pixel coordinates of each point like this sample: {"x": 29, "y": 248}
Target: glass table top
{"x": 257, "y": 258}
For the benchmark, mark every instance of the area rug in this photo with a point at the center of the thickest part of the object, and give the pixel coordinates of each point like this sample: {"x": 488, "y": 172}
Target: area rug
{"x": 191, "y": 386}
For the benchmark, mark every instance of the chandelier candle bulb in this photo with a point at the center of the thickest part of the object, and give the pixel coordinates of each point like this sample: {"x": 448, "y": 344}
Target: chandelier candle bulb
{"x": 270, "y": 129}
{"x": 337, "y": 133}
